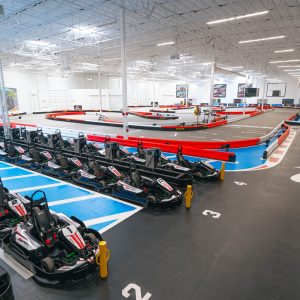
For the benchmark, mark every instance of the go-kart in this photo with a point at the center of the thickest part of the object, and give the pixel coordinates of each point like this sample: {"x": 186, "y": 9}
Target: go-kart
{"x": 147, "y": 191}
{"x": 12, "y": 210}
{"x": 200, "y": 170}
{"x": 52, "y": 246}
{"x": 17, "y": 155}
{"x": 107, "y": 176}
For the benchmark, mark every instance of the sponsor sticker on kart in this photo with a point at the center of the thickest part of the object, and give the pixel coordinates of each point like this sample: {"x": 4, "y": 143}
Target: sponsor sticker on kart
{"x": 177, "y": 167}
{"x": 86, "y": 174}
{"x": 130, "y": 188}
{"x": 125, "y": 151}
{"x": 114, "y": 171}
{"x": 138, "y": 159}
{"x": 25, "y": 157}
{"x": 53, "y": 165}
{"x": 47, "y": 155}
{"x": 20, "y": 149}
{"x": 76, "y": 161}
{"x": 164, "y": 184}
{"x": 2, "y": 152}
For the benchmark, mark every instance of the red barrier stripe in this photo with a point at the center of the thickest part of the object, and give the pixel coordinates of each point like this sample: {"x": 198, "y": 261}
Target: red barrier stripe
{"x": 211, "y": 154}
{"x": 248, "y": 112}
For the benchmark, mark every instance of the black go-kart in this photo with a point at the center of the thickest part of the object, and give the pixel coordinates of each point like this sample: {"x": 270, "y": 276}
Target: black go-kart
{"x": 147, "y": 191}
{"x": 201, "y": 170}
{"x": 17, "y": 155}
{"x": 56, "y": 166}
{"x": 13, "y": 209}
{"x": 52, "y": 246}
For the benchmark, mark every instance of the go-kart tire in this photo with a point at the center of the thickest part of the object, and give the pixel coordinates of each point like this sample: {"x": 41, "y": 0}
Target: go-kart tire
{"x": 151, "y": 199}
{"x": 48, "y": 264}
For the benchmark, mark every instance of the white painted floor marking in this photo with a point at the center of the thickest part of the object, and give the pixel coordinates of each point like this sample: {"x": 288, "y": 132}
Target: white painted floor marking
{"x": 20, "y": 269}
{"x": 296, "y": 178}
{"x": 18, "y": 177}
{"x": 137, "y": 290}
{"x": 37, "y": 187}
{"x": 7, "y": 168}
{"x": 240, "y": 183}
{"x": 75, "y": 199}
{"x": 213, "y": 214}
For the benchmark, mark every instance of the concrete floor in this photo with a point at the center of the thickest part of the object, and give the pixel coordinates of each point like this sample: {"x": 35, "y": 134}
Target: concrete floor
{"x": 251, "y": 251}
{"x": 260, "y": 125}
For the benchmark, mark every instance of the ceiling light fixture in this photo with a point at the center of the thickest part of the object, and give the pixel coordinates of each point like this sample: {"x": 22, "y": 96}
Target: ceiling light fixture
{"x": 293, "y": 70}
{"x": 108, "y": 59}
{"x": 283, "y": 61}
{"x": 263, "y": 39}
{"x": 166, "y": 43}
{"x": 283, "y": 51}
{"x": 238, "y": 17}
{"x": 295, "y": 66}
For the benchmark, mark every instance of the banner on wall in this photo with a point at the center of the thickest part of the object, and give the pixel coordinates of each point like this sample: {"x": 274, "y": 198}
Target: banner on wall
{"x": 241, "y": 90}
{"x": 11, "y": 99}
{"x": 219, "y": 90}
{"x": 182, "y": 90}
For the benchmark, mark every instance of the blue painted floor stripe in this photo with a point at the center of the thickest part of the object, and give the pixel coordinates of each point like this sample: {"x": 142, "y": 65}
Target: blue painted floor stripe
{"x": 61, "y": 192}
{"x": 14, "y": 172}
{"x": 4, "y": 165}
{"x": 100, "y": 226}
{"x": 27, "y": 182}
{"x": 93, "y": 208}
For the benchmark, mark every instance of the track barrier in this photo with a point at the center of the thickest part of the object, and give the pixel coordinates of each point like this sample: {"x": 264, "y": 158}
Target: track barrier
{"x": 277, "y": 142}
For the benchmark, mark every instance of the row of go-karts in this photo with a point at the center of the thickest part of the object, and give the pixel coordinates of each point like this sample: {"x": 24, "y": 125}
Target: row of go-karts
{"x": 52, "y": 246}
{"x": 132, "y": 187}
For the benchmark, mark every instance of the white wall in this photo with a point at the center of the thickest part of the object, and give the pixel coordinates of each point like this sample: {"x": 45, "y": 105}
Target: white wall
{"x": 38, "y": 92}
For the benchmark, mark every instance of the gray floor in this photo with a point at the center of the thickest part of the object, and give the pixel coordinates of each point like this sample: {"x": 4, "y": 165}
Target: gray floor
{"x": 250, "y": 252}
{"x": 260, "y": 125}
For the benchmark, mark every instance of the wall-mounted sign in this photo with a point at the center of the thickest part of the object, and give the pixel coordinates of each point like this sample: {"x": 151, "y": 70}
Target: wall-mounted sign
{"x": 11, "y": 98}
{"x": 182, "y": 90}
{"x": 276, "y": 89}
{"x": 241, "y": 90}
{"x": 219, "y": 90}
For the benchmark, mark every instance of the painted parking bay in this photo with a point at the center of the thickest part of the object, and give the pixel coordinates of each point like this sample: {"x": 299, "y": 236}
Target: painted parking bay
{"x": 98, "y": 211}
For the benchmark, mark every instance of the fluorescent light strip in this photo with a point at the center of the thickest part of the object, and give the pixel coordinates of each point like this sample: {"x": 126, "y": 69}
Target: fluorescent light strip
{"x": 295, "y": 66}
{"x": 283, "y": 51}
{"x": 283, "y": 61}
{"x": 292, "y": 70}
{"x": 166, "y": 43}
{"x": 263, "y": 39}
{"x": 238, "y": 17}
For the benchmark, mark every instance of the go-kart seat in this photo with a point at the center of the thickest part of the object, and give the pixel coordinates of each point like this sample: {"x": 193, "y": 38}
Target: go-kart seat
{"x": 141, "y": 152}
{"x": 43, "y": 220}
{"x": 97, "y": 170}
{"x": 182, "y": 161}
{"x": 63, "y": 162}
{"x": 35, "y": 154}
{"x": 136, "y": 179}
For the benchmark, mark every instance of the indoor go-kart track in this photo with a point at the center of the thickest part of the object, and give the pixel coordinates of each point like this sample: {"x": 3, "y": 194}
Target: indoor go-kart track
{"x": 240, "y": 239}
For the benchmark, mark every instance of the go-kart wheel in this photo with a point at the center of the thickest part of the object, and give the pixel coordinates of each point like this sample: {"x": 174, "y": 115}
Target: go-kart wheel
{"x": 48, "y": 264}
{"x": 151, "y": 199}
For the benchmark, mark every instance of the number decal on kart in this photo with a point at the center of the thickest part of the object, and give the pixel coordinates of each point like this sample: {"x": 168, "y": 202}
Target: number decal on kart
{"x": 138, "y": 292}
{"x": 213, "y": 214}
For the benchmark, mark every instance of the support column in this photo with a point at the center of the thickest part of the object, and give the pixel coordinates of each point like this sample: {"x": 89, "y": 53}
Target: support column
{"x": 99, "y": 79}
{"x": 244, "y": 110}
{"x": 263, "y": 94}
{"x": 124, "y": 73}
{"x": 3, "y": 105}
{"x": 212, "y": 78}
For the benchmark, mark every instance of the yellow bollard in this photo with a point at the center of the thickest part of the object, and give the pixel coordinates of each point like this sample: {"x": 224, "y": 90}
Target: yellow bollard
{"x": 102, "y": 258}
{"x": 188, "y": 196}
{"x": 222, "y": 171}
